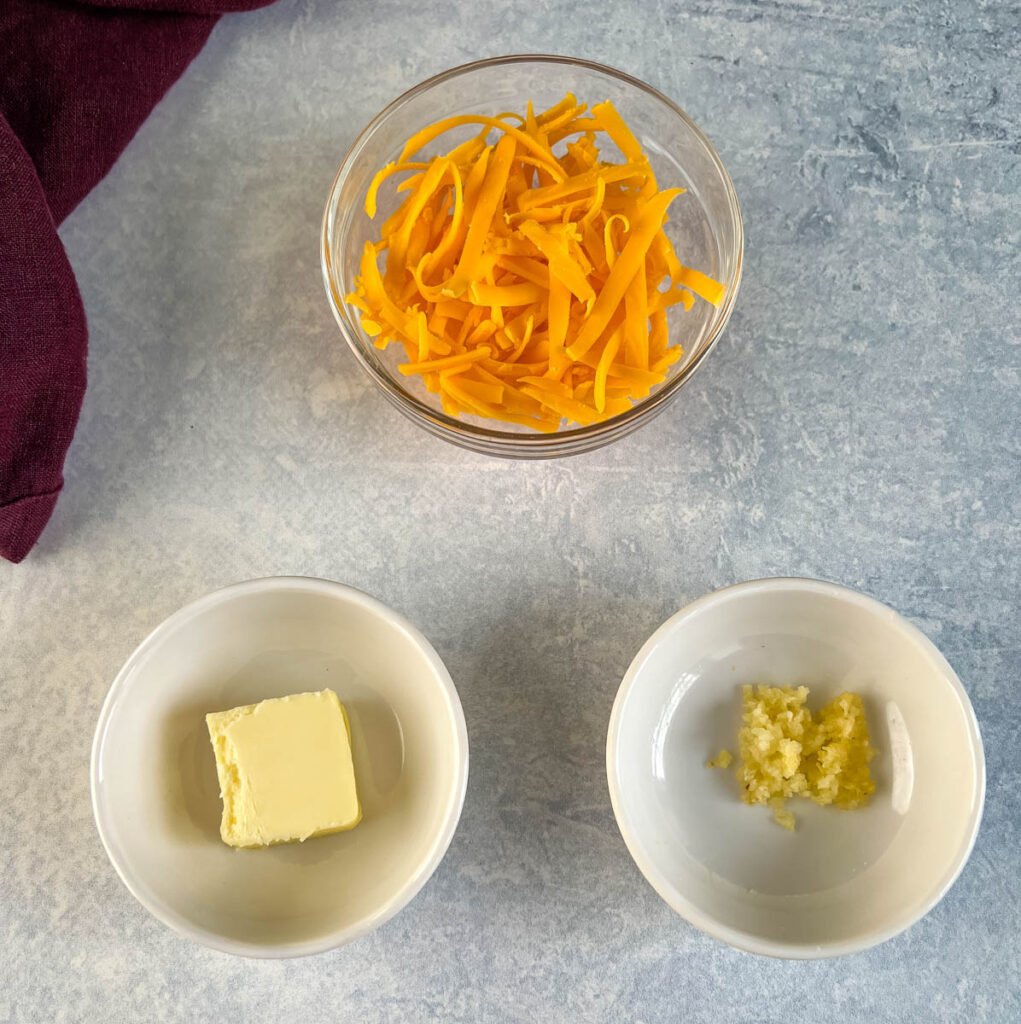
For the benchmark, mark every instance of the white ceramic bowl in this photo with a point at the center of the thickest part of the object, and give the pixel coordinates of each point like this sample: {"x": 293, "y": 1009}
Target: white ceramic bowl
{"x": 154, "y": 786}
{"x": 843, "y": 881}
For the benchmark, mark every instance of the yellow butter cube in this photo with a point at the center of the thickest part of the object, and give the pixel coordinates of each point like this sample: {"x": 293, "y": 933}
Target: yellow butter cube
{"x": 285, "y": 769}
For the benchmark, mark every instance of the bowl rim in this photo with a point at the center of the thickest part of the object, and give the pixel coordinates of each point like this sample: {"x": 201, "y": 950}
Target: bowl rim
{"x": 707, "y": 923}
{"x": 575, "y": 439}
{"x": 411, "y": 886}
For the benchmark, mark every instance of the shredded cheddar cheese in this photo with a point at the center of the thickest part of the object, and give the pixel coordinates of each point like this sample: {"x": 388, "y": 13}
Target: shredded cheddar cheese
{"x": 525, "y": 285}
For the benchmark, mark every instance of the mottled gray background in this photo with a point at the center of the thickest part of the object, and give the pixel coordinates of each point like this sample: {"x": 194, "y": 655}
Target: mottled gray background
{"x": 858, "y": 422}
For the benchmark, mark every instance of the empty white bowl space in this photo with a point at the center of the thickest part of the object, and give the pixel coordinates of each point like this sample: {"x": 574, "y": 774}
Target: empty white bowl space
{"x": 843, "y": 881}
{"x": 154, "y": 785}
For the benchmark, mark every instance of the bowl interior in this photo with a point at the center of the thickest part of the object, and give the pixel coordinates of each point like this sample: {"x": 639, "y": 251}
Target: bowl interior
{"x": 705, "y": 223}
{"x": 843, "y": 879}
{"x": 154, "y": 775}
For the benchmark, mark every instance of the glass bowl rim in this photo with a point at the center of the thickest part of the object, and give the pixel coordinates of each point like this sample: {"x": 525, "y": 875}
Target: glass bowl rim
{"x": 469, "y": 434}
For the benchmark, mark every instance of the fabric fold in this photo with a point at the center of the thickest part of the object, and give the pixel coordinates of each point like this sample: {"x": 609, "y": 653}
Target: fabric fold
{"x": 78, "y": 80}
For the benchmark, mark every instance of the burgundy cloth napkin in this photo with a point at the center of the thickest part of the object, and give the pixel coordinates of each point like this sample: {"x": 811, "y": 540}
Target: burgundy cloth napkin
{"x": 76, "y": 81}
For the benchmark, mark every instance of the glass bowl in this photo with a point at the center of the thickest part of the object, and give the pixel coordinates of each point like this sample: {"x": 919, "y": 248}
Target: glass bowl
{"x": 705, "y": 226}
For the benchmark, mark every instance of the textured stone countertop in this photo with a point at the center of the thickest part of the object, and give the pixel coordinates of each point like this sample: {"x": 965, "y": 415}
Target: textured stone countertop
{"x": 858, "y": 422}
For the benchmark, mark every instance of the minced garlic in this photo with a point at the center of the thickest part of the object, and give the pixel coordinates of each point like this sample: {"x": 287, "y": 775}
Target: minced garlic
{"x": 724, "y": 759}
{"x": 785, "y": 752}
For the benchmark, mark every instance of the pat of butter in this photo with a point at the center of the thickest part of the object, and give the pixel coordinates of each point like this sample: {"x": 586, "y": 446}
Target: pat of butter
{"x": 285, "y": 770}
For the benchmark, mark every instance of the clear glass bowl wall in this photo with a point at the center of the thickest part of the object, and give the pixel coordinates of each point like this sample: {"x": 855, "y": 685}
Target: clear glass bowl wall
{"x": 705, "y": 226}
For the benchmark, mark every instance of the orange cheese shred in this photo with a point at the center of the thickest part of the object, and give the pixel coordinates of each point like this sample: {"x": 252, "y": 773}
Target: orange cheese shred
{"x": 527, "y": 277}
